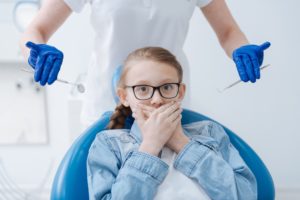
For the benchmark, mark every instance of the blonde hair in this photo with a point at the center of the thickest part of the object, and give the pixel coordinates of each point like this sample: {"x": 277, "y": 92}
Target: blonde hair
{"x": 157, "y": 54}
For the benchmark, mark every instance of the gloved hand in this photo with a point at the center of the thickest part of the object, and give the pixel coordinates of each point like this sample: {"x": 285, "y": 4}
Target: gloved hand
{"x": 46, "y": 61}
{"x": 248, "y": 59}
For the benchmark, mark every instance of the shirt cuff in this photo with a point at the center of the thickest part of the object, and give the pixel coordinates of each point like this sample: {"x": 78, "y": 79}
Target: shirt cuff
{"x": 147, "y": 164}
{"x": 188, "y": 158}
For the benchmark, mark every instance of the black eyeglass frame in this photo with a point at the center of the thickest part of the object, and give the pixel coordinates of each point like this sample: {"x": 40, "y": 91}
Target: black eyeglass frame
{"x": 154, "y": 89}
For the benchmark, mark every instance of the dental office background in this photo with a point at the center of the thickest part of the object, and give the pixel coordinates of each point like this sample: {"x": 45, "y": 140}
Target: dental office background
{"x": 38, "y": 124}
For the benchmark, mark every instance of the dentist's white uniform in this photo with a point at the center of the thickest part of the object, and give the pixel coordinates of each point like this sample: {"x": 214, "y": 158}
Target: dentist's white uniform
{"x": 122, "y": 26}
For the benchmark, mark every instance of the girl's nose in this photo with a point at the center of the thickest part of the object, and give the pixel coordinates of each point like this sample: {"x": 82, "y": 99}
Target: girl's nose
{"x": 156, "y": 98}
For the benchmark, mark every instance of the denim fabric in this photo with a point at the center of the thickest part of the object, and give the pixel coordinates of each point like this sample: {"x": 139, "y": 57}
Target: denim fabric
{"x": 117, "y": 170}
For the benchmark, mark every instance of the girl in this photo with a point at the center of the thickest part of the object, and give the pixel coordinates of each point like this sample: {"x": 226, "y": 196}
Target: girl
{"x": 159, "y": 158}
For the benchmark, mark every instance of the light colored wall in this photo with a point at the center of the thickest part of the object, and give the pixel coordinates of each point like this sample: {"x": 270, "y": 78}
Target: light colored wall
{"x": 265, "y": 114}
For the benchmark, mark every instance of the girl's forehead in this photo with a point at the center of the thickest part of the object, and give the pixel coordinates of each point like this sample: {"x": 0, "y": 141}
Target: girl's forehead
{"x": 150, "y": 72}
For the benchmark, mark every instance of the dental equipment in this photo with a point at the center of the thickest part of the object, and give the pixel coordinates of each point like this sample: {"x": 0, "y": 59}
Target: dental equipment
{"x": 80, "y": 87}
{"x": 237, "y": 82}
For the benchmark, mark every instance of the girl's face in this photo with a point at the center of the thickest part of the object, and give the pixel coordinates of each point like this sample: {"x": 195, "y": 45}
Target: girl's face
{"x": 143, "y": 74}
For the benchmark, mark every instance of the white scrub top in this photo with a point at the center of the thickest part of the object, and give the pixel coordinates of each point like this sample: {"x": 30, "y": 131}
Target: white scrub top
{"x": 121, "y": 26}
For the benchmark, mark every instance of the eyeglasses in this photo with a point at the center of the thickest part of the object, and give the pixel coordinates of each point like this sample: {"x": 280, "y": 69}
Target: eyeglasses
{"x": 145, "y": 92}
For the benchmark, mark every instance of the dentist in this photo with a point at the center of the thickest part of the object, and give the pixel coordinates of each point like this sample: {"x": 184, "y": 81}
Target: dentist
{"x": 122, "y": 26}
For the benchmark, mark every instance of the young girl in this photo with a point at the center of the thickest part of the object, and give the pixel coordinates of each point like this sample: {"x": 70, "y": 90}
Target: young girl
{"x": 159, "y": 158}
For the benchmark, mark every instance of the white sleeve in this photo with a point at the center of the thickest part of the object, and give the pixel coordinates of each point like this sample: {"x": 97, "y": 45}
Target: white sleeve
{"x": 203, "y": 3}
{"x": 76, "y": 5}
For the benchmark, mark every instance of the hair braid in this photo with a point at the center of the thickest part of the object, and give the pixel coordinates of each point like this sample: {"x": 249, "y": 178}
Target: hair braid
{"x": 118, "y": 118}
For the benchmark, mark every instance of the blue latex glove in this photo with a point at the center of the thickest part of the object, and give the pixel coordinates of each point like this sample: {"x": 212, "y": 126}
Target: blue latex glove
{"x": 46, "y": 61}
{"x": 248, "y": 59}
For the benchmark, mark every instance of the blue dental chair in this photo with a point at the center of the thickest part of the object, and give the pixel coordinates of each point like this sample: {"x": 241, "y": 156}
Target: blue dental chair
{"x": 70, "y": 181}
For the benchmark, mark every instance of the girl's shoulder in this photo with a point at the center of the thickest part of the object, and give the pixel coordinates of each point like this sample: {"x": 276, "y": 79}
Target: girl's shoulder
{"x": 115, "y": 135}
{"x": 112, "y": 133}
{"x": 201, "y": 125}
{"x": 118, "y": 141}
{"x": 205, "y": 128}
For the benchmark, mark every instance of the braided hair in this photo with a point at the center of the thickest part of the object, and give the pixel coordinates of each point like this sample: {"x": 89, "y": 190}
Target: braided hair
{"x": 118, "y": 118}
{"x": 158, "y": 54}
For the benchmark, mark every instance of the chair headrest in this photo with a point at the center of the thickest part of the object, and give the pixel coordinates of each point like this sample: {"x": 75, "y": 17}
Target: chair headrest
{"x": 115, "y": 80}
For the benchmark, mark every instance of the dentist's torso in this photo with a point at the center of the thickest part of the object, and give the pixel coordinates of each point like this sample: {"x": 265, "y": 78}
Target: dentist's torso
{"x": 122, "y": 26}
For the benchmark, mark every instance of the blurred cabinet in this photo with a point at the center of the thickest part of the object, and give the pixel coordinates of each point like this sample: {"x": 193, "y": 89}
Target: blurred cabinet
{"x": 23, "y": 107}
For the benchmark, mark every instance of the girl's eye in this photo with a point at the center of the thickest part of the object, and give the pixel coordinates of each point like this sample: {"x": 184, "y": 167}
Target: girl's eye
{"x": 167, "y": 87}
{"x": 142, "y": 89}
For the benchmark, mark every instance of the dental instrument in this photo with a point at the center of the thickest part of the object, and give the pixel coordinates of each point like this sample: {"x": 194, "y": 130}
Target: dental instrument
{"x": 237, "y": 82}
{"x": 80, "y": 87}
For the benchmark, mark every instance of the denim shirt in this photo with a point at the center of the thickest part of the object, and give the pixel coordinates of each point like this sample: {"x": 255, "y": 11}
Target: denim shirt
{"x": 117, "y": 170}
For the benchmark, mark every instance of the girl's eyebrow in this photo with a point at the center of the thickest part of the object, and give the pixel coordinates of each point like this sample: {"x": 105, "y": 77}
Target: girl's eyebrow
{"x": 144, "y": 82}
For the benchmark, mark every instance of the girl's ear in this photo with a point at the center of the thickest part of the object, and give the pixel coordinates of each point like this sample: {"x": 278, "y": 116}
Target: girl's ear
{"x": 122, "y": 96}
{"x": 181, "y": 92}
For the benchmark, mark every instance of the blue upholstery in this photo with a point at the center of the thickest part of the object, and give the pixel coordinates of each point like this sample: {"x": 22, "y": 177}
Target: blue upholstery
{"x": 114, "y": 82}
{"x": 70, "y": 181}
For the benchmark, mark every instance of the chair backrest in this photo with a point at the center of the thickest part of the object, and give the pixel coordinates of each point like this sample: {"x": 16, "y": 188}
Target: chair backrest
{"x": 70, "y": 181}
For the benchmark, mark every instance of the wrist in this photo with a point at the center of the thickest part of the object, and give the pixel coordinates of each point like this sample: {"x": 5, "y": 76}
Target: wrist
{"x": 149, "y": 149}
{"x": 178, "y": 144}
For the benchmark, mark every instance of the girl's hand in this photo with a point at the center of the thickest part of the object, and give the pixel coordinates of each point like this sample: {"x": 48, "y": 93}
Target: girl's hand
{"x": 157, "y": 126}
{"x": 178, "y": 139}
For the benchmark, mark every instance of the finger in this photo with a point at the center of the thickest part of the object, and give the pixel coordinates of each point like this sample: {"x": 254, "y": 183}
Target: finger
{"x": 32, "y": 61}
{"x": 34, "y": 53}
{"x": 168, "y": 112}
{"x": 148, "y": 110}
{"x": 54, "y": 71}
{"x": 39, "y": 68}
{"x": 174, "y": 124}
{"x": 139, "y": 116}
{"x": 249, "y": 68}
{"x": 241, "y": 69}
{"x": 265, "y": 45}
{"x": 175, "y": 114}
{"x": 177, "y": 120}
{"x": 47, "y": 68}
{"x": 255, "y": 65}
{"x": 133, "y": 115}
{"x": 162, "y": 108}
{"x": 32, "y": 46}
{"x": 146, "y": 113}
{"x": 146, "y": 107}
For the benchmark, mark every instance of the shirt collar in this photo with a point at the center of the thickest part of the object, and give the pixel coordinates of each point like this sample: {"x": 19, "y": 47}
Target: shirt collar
{"x": 135, "y": 132}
